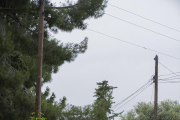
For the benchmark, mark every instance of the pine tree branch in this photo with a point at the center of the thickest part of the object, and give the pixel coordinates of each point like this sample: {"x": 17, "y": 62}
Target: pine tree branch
{"x": 6, "y": 8}
{"x": 17, "y": 20}
{"x": 46, "y": 7}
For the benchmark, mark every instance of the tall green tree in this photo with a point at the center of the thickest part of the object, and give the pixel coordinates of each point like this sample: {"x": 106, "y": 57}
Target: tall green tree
{"x": 103, "y": 103}
{"x": 18, "y": 48}
{"x": 167, "y": 110}
{"x": 20, "y": 30}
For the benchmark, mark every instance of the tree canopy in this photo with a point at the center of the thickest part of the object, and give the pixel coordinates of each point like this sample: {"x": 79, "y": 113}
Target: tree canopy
{"x": 19, "y": 33}
{"x": 167, "y": 110}
{"x": 19, "y": 22}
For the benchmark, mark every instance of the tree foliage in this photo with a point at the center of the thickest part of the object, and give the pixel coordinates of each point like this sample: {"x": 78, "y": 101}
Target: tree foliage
{"x": 103, "y": 103}
{"x": 19, "y": 33}
{"x": 167, "y": 110}
{"x": 19, "y": 23}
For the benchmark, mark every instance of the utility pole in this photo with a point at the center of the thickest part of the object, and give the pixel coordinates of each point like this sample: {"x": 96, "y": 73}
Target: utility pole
{"x": 39, "y": 59}
{"x": 156, "y": 88}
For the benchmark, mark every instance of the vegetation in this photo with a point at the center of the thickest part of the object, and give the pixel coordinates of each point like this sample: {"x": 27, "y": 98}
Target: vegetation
{"x": 18, "y": 55}
{"x": 18, "y": 63}
{"x": 167, "y": 110}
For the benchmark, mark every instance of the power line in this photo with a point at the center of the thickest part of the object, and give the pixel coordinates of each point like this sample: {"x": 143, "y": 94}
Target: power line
{"x": 168, "y": 69}
{"x": 152, "y": 92}
{"x": 134, "y": 44}
{"x": 143, "y": 28}
{"x": 168, "y": 74}
{"x": 144, "y": 18}
{"x": 134, "y": 96}
{"x": 169, "y": 79}
{"x": 170, "y": 82}
{"x": 130, "y": 95}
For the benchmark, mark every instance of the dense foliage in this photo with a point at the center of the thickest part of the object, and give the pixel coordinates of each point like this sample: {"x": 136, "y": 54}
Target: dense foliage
{"x": 103, "y": 102}
{"x": 167, "y": 110}
{"x": 96, "y": 111}
{"x": 18, "y": 61}
{"x": 18, "y": 53}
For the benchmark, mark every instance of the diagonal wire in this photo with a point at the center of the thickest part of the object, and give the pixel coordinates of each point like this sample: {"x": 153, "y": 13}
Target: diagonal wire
{"x": 152, "y": 92}
{"x": 145, "y": 18}
{"x": 134, "y": 96}
{"x": 134, "y": 44}
{"x": 168, "y": 69}
{"x": 143, "y": 28}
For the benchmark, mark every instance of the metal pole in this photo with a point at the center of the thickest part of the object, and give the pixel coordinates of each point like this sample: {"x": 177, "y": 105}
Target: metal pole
{"x": 156, "y": 89}
{"x": 39, "y": 59}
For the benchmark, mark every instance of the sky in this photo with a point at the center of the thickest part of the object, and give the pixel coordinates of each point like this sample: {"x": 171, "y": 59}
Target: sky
{"x": 124, "y": 65}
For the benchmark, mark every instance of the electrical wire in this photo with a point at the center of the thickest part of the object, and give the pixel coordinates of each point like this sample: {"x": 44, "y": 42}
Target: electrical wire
{"x": 144, "y": 18}
{"x": 134, "y": 97}
{"x": 152, "y": 92}
{"x": 168, "y": 79}
{"x": 168, "y": 69}
{"x": 170, "y": 82}
{"x": 132, "y": 94}
{"x": 133, "y": 44}
{"x": 168, "y": 74}
{"x": 143, "y": 28}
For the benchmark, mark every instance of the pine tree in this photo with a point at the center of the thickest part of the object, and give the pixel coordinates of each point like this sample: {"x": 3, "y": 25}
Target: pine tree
{"x": 103, "y": 103}
{"x": 18, "y": 48}
{"x": 21, "y": 27}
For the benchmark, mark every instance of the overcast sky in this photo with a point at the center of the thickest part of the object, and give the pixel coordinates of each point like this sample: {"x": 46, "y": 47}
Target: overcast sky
{"x": 125, "y": 66}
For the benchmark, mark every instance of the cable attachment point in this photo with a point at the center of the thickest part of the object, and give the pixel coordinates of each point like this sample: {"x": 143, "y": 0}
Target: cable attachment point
{"x": 154, "y": 78}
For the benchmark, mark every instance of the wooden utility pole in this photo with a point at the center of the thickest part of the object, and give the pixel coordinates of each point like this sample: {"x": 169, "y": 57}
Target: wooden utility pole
{"x": 156, "y": 88}
{"x": 39, "y": 59}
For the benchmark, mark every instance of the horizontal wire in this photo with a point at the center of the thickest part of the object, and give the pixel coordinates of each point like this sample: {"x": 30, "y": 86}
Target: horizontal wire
{"x": 169, "y": 77}
{"x": 169, "y": 74}
{"x": 143, "y": 28}
{"x": 170, "y": 82}
{"x": 134, "y": 44}
{"x": 134, "y": 97}
{"x": 145, "y": 18}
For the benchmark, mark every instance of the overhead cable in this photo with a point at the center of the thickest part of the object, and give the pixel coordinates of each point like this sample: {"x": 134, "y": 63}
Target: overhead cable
{"x": 152, "y": 92}
{"x": 168, "y": 79}
{"x": 170, "y": 82}
{"x": 143, "y": 28}
{"x": 134, "y": 96}
{"x": 169, "y": 74}
{"x": 168, "y": 69}
{"x": 134, "y": 44}
{"x": 145, "y": 18}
